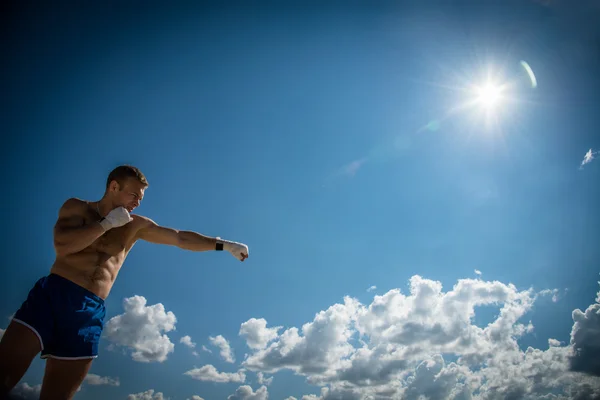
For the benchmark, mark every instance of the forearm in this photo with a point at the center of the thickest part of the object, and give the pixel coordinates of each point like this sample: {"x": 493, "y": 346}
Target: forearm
{"x": 194, "y": 241}
{"x": 73, "y": 240}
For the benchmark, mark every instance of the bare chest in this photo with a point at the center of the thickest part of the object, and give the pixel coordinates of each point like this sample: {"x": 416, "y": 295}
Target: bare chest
{"x": 113, "y": 242}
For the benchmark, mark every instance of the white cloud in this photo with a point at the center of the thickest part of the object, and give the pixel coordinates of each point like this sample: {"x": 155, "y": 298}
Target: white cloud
{"x": 554, "y": 342}
{"x": 222, "y": 343}
{"x": 24, "y": 391}
{"x": 585, "y": 341}
{"x": 588, "y": 157}
{"x": 257, "y": 334}
{"x": 187, "y": 341}
{"x": 93, "y": 379}
{"x": 370, "y": 289}
{"x": 262, "y": 380}
{"x": 141, "y": 329}
{"x": 195, "y": 397}
{"x": 317, "y": 348}
{"x": 245, "y": 392}
{"x": 554, "y": 292}
{"x": 204, "y": 348}
{"x": 209, "y": 373}
{"x": 425, "y": 344}
{"x": 147, "y": 395}
{"x": 478, "y": 272}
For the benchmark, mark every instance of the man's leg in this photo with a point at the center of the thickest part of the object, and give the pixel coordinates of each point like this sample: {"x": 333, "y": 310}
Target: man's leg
{"x": 62, "y": 378}
{"x": 18, "y": 347}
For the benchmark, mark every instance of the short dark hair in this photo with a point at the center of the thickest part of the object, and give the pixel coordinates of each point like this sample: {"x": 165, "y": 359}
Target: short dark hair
{"x": 124, "y": 172}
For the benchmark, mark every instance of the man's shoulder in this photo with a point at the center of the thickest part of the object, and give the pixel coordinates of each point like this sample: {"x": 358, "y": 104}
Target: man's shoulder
{"x": 74, "y": 203}
{"x": 141, "y": 221}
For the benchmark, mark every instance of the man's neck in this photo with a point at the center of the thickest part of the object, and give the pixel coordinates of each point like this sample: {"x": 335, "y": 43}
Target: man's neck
{"x": 103, "y": 207}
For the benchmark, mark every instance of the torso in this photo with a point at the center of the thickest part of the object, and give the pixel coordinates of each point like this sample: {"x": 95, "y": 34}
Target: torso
{"x": 97, "y": 266}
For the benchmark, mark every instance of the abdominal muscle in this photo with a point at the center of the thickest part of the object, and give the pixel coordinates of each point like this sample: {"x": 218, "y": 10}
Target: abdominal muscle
{"x": 91, "y": 268}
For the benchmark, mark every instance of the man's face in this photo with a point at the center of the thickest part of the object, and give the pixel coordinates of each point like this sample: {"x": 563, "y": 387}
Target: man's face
{"x": 131, "y": 194}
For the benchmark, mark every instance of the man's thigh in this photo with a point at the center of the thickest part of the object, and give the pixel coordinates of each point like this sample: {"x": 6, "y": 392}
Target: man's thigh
{"x": 18, "y": 347}
{"x": 62, "y": 378}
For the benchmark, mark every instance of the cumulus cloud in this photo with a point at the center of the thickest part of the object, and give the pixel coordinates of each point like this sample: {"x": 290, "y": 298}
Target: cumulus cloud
{"x": 147, "y": 395}
{"x": 93, "y": 379}
{"x": 222, "y": 343}
{"x": 425, "y": 344}
{"x": 585, "y": 339}
{"x": 187, "y": 341}
{"x": 316, "y": 348}
{"x": 245, "y": 392}
{"x": 256, "y": 333}
{"x": 210, "y": 374}
{"x": 370, "y": 289}
{"x": 24, "y": 391}
{"x": 140, "y": 328}
{"x": 195, "y": 397}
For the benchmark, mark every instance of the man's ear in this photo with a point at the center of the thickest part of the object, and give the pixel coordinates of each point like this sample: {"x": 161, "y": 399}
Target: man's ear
{"x": 114, "y": 186}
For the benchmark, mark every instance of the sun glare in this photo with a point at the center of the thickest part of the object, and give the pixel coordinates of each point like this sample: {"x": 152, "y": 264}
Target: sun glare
{"x": 489, "y": 95}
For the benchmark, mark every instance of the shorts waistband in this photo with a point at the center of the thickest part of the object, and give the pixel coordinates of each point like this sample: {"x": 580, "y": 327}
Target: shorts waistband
{"x": 64, "y": 282}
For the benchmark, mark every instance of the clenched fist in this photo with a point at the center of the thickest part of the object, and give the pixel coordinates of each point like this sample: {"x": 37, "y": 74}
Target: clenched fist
{"x": 117, "y": 217}
{"x": 238, "y": 250}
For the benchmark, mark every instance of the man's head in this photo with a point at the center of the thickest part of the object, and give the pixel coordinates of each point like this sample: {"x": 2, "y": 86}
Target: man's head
{"x": 125, "y": 186}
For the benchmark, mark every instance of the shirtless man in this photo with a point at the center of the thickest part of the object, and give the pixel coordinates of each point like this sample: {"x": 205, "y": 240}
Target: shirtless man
{"x": 63, "y": 315}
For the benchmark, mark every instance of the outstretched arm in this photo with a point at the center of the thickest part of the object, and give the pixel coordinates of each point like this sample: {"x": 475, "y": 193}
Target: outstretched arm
{"x": 151, "y": 232}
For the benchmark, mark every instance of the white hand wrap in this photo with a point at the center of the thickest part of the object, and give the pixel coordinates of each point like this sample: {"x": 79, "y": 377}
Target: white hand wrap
{"x": 117, "y": 217}
{"x": 238, "y": 250}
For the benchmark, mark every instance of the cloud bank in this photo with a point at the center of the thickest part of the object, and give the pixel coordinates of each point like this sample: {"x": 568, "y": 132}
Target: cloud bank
{"x": 425, "y": 344}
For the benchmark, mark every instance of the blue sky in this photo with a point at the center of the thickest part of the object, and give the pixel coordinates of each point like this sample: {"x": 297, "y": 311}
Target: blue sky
{"x": 329, "y": 140}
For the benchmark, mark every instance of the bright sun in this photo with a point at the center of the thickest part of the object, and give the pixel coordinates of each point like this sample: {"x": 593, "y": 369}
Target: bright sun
{"x": 489, "y": 95}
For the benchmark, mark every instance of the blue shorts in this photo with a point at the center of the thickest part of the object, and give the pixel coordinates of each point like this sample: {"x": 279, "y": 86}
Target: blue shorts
{"x": 67, "y": 318}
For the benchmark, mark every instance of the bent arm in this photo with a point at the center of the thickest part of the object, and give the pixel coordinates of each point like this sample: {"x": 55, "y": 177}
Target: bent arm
{"x": 70, "y": 233}
{"x": 186, "y": 240}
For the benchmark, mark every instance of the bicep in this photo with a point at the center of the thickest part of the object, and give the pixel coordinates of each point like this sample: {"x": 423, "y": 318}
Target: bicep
{"x": 154, "y": 233}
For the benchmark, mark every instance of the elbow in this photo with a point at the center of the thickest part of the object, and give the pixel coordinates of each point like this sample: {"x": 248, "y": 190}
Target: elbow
{"x": 181, "y": 241}
{"x": 62, "y": 250}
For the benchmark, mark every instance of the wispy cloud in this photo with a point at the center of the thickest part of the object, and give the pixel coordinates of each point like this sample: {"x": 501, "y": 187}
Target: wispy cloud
{"x": 206, "y": 349}
{"x": 223, "y": 344}
{"x": 96, "y": 380}
{"x": 371, "y": 288}
{"x": 147, "y": 395}
{"x": 208, "y": 373}
{"x": 588, "y": 158}
{"x": 262, "y": 380}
